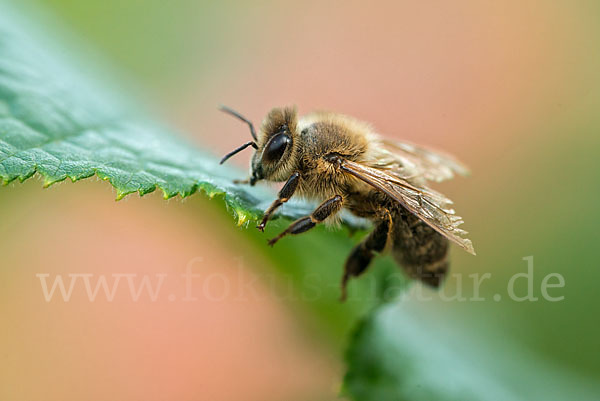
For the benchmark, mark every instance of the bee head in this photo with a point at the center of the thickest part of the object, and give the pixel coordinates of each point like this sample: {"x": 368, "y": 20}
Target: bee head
{"x": 273, "y": 158}
{"x": 275, "y": 152}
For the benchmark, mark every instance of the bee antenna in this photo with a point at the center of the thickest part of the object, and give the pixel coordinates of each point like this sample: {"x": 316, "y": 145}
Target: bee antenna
{"x": 238, "y": 150}
{"x": 241, "y": 117}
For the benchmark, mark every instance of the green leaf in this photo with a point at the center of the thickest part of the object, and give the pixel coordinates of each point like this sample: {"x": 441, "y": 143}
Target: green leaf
{"x": 399, "y": 353}
{"x": 392, "y": 357}
{"x": 56, "y": 123}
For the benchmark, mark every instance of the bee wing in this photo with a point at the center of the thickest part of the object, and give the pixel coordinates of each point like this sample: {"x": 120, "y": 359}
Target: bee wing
{"x": 430, "y": 164}
{"x": 430, "y": 206}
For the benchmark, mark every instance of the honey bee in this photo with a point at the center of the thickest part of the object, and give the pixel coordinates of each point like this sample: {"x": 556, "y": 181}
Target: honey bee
{"x": 342, "y": 163}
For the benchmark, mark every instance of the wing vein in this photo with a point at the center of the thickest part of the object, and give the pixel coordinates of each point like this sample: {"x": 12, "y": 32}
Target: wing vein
{"x": 426, "y": 204}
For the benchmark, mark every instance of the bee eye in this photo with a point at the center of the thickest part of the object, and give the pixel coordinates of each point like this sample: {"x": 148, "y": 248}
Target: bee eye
{"x": 275, "y": 148}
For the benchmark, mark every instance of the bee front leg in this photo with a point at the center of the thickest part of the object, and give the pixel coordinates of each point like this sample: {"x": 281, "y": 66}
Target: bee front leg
{"x": 325, "y": 209}
{"x": 284, "y": 195}
{"x": 361, "y": 255}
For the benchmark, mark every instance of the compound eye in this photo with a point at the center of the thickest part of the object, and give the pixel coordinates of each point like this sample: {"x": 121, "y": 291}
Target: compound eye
{"x": 275, "y": 148}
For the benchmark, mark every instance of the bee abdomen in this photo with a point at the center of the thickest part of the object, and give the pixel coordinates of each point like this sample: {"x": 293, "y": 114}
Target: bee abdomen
{"x": 422, "y": 251}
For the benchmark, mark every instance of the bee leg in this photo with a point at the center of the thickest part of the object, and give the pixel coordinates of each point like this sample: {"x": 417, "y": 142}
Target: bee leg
{"x": 361, "y": 255}
{"x": 242, "y": 182}
{"x": 284, "y": 195}
{"x": 325, "y": 209}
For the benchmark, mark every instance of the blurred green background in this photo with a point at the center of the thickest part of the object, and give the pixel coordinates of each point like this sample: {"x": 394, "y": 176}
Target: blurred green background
{"x": 511, "y": 88}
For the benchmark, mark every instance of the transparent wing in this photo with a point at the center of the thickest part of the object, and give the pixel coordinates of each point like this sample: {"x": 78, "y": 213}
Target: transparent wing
{"x": 430, "y": 206}
{"x": 429, "y": 164}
